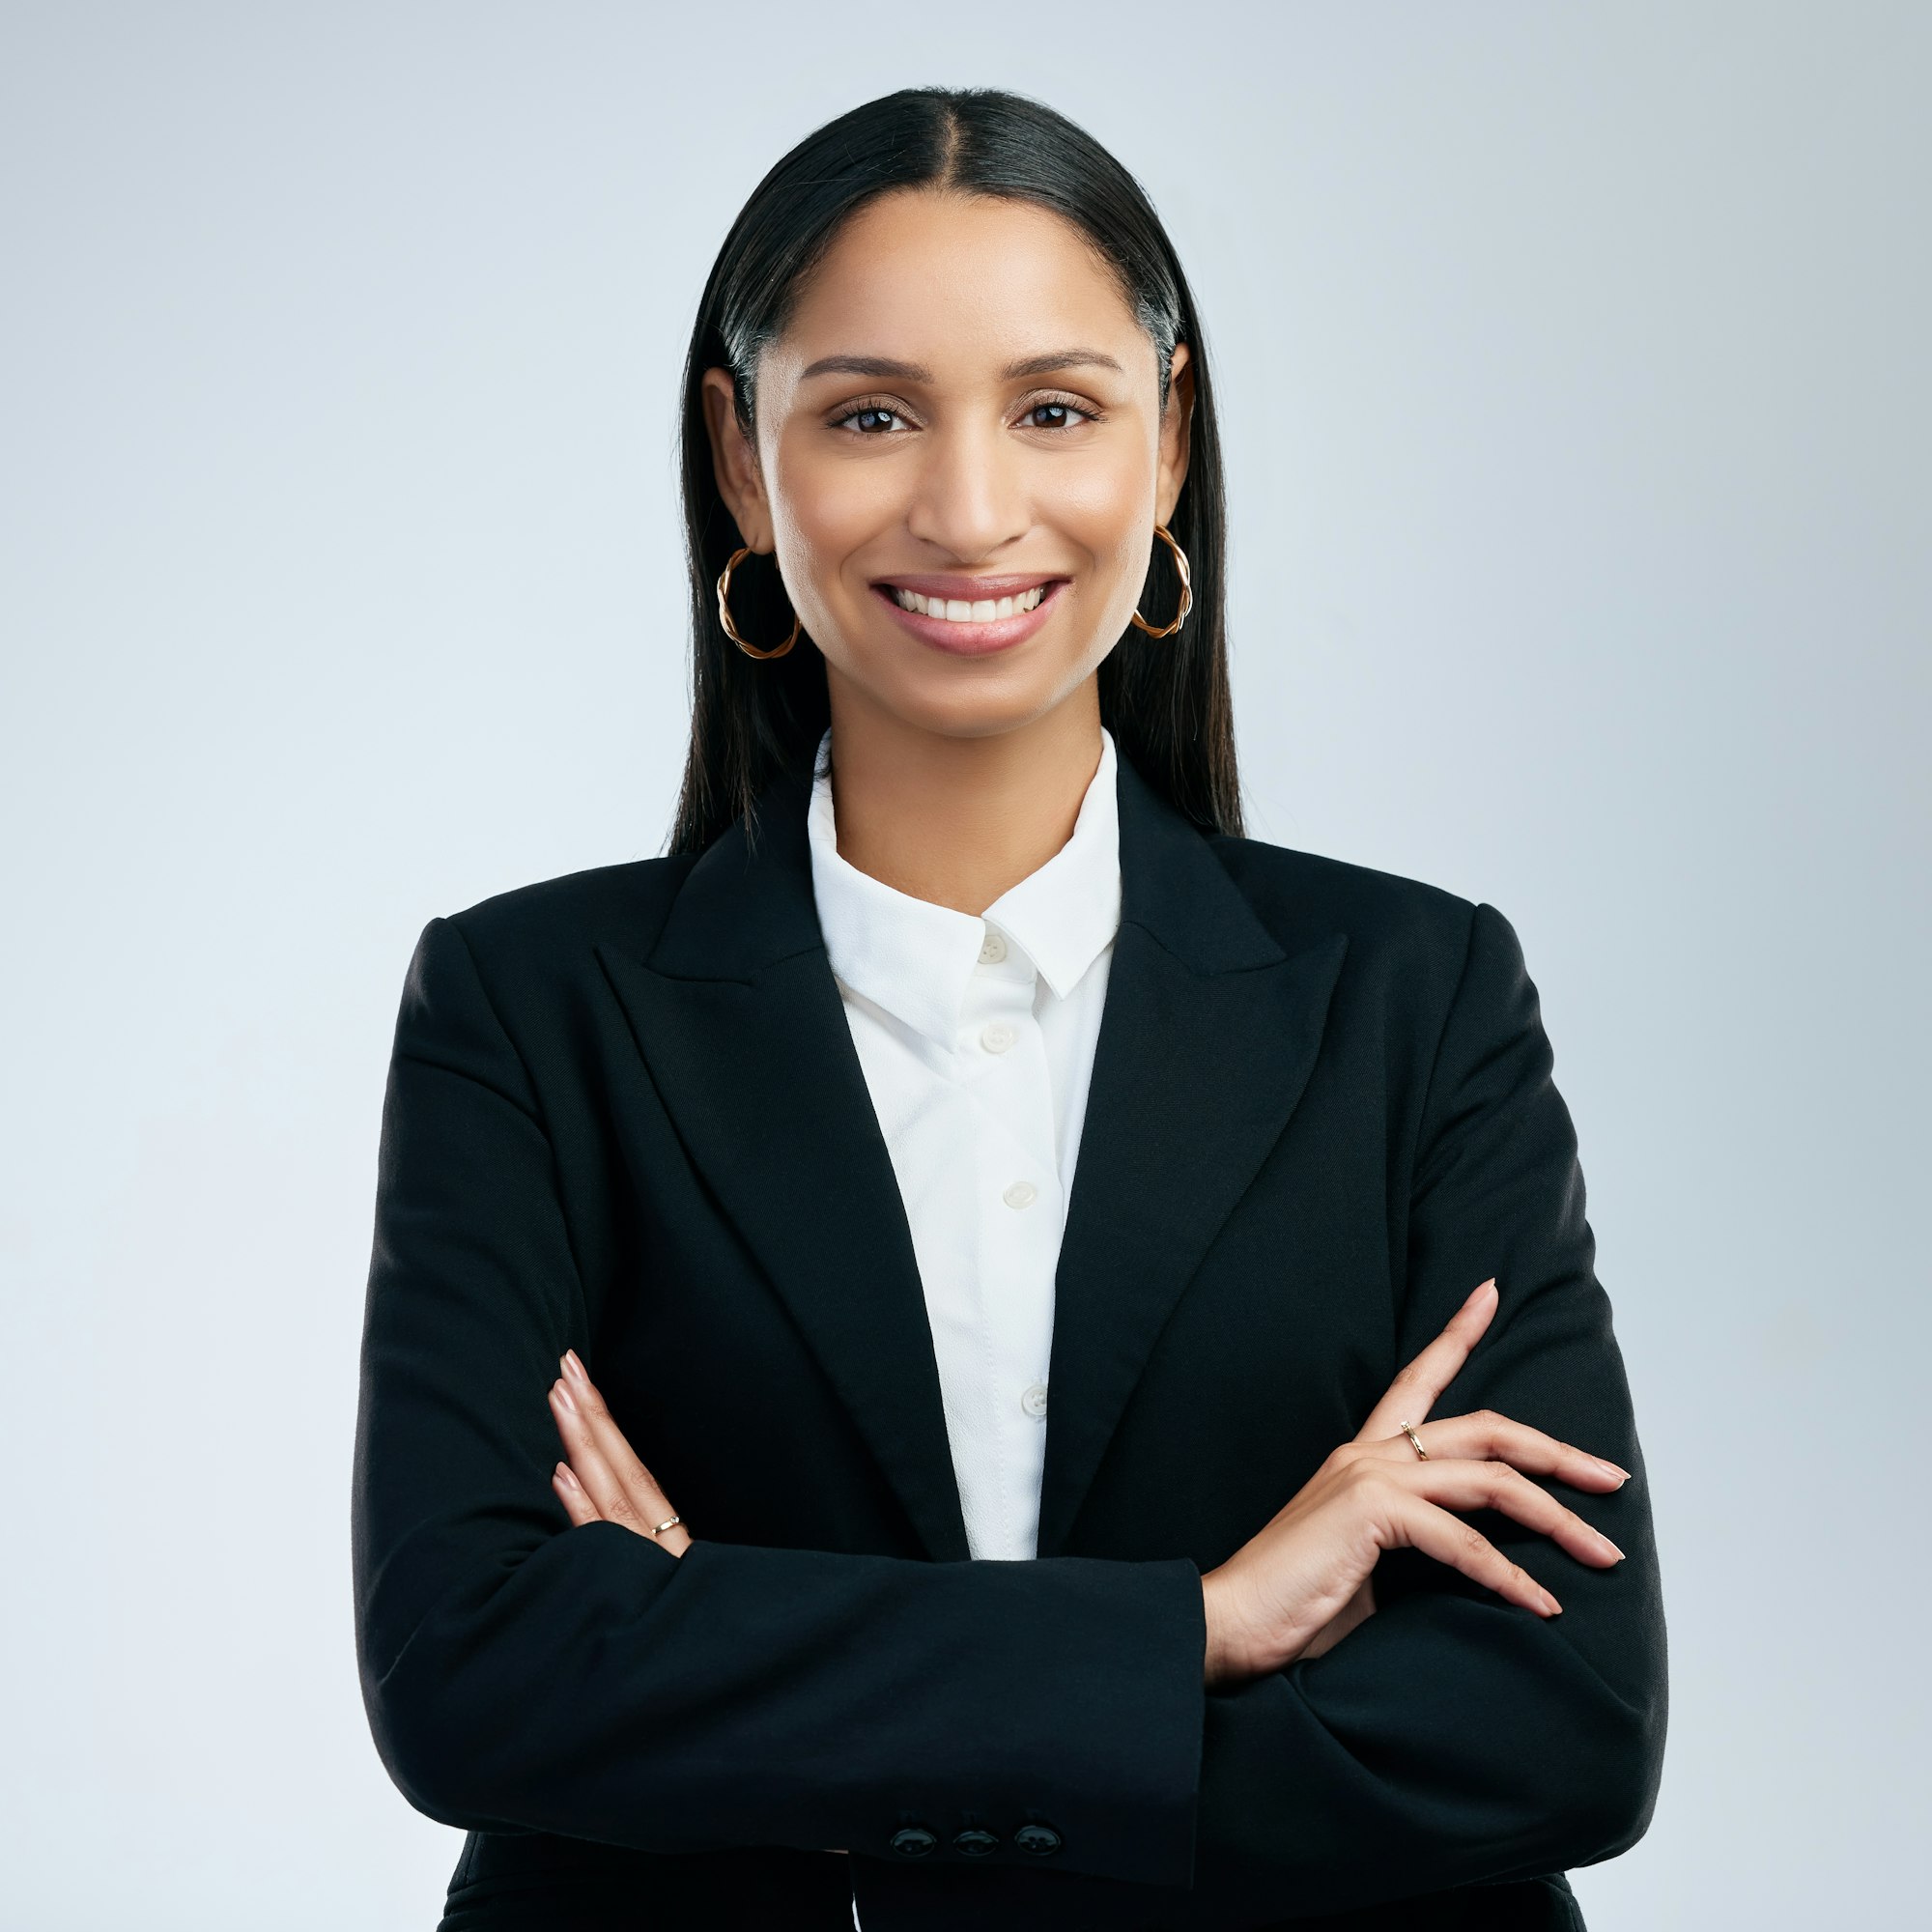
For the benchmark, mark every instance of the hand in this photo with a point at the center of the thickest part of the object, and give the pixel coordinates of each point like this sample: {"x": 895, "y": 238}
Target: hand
{"x": 603, "y": 1481}
{"x": 1275, "y": 1599}
{"x": 1359, "y": 1608}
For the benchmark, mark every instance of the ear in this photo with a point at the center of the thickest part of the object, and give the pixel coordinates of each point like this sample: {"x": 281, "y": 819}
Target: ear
{"x": 734, "y": 461}
{"x": 1176, "y": 421}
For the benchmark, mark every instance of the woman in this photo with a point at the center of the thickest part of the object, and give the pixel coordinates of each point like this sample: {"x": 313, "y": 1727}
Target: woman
{"x": 809, "y": 1608}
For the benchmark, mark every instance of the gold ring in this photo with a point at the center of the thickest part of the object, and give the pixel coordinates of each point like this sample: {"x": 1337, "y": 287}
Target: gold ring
{"x": 1418, "y": 1440}
{"x": 663, "y": 1527}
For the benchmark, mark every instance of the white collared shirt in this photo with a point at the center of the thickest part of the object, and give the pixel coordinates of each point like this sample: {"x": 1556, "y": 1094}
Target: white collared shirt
{"x": 977, "y": 1040}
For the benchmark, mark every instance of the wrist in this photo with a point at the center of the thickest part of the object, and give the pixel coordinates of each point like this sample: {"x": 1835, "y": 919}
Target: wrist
{"x": 1222, "y": 1665}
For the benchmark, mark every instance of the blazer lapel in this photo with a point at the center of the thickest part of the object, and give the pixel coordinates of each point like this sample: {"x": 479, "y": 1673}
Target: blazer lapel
{"x": 1209, "y": 1034}
{"x": 1208, "y": 1037}
{"x": 741, "y": 1026}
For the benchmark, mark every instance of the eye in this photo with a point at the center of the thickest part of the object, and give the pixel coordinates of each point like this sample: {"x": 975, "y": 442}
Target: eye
{"x": 1056, "y": 414}
{"x": 868, "y": 419}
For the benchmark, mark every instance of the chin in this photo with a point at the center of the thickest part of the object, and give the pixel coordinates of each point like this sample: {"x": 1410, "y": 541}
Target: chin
{"x": 953, "y": 706}
{"x": 961, "y": 698}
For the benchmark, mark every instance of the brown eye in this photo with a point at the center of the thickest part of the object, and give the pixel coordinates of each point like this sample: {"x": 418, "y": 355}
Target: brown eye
{"x": 1054, "y": 416}
{"x": 869, "y": 420}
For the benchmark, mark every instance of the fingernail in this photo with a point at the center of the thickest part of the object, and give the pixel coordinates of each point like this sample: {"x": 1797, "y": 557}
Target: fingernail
{"x": 564, "y": 1396}
{"x": 567, "y": 1476}
{"x": 1478, "y": 1289}
{"x": 1609, "y": 1545}
{"x": 573, "y": 1367}
{"x": 1556, "y": 1608}
{"x": 1610, "y": 1468}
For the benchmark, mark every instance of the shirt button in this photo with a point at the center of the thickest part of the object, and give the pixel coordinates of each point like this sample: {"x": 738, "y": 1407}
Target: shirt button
{"x": 1021, "y": 1194}
{"x": 974, "y": 1843}
{"x": 1041, "y": 1840}
{"x": 913, "y": 1842}
{"x": 1034, "y": 1399}
{"x": 997, "y": 1037}
{"x": 993, "y": 948}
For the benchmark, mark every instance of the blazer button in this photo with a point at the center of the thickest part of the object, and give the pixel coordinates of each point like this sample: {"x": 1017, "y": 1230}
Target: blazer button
{"x": 1041, "y": 1840}
{"x": 914, "y": 1842}
{"x": 974, "y": 1843}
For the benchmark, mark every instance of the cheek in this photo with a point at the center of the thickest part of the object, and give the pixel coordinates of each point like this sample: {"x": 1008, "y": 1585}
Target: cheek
{"x": 825, "y": 511}
{"x": 1106, "y": 509}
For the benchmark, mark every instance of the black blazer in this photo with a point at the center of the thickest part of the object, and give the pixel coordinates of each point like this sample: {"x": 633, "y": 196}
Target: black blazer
{"x": 625, "y": 1114}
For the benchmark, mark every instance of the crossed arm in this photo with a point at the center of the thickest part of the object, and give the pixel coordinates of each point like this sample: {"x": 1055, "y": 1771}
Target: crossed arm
{"x": 681, "y": 1695}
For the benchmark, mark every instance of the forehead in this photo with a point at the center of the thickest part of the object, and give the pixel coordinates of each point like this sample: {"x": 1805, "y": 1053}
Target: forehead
{"x": 962, "y": 284}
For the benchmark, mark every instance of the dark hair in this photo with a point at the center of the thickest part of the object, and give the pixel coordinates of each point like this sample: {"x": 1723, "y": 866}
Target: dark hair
{"x": 1165, "y": 701}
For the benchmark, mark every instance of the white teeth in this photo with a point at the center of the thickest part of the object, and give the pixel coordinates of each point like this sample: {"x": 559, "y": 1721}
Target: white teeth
{"x": 957, "y": 611}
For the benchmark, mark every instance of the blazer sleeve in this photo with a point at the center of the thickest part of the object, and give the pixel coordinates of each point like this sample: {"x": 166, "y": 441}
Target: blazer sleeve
{"x": 1454, "y": 1736}
{"x": 522, "y": 1674}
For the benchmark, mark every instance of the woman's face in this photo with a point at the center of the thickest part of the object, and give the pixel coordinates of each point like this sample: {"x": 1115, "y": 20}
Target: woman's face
{"x": 965, "y": 408}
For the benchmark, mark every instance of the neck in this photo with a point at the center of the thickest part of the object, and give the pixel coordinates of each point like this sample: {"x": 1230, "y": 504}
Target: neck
{"x": 959, "y": 821}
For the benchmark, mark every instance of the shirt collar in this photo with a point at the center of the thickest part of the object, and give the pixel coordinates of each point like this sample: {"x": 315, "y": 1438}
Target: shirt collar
{"x": 917, "y": 959}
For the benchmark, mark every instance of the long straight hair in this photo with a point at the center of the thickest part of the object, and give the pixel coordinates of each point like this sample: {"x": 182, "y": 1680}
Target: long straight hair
{"x": 1165, "y": 701}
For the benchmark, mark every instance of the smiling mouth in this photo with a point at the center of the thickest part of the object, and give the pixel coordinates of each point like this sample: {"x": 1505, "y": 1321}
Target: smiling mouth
{"x": 963, "y": 611}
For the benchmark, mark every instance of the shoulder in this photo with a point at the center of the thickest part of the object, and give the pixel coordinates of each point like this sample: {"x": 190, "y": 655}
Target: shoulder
{"x": 1416, "y": 947}
{"x": 548, "y": 930}
{"x": 1299, "y": 895}
{"x": 1415, "y": 950}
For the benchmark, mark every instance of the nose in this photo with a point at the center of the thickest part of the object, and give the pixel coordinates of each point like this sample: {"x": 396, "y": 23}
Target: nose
{"x": 969, "y": 492}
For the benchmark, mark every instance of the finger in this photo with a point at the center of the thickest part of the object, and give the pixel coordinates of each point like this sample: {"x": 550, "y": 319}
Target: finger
{"x": 642, "y": 1486}
{"x": 1462, "y": 1484}
{"x": 609, "y": 1495}
{"x": 570, "y": 1492}
{"x": 1422, "y": 1525}
{"x": 1483, "y": 1433}
{"x": 1416, "y": 1387}
{"x": 594, "y": 1475}
{"x": 623, "y": 1490}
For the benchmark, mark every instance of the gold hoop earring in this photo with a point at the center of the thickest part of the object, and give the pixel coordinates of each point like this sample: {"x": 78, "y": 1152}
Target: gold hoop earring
{"x": 724, "y": 611}
{"x": 1187, "y": 588}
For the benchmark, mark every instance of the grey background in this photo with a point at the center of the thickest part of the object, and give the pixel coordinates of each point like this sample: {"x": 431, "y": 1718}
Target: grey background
{"x": 1573, "y": 368}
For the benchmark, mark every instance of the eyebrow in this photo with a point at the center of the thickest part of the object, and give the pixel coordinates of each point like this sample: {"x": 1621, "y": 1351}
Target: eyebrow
{"x": 917, "y": 372}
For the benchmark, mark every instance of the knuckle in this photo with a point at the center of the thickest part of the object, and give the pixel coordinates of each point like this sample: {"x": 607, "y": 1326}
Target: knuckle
{"x": 1473, "y": 1539}
{"x": 1502, "y": 1476}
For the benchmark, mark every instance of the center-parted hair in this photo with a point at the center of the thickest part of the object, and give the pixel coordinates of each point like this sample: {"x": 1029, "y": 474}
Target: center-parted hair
{"x": 1166, "y": 700}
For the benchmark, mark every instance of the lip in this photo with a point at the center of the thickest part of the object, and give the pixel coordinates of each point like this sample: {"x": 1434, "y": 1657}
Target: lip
{"x": 969, "y": 588}
{"x": 971, "y": 640}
